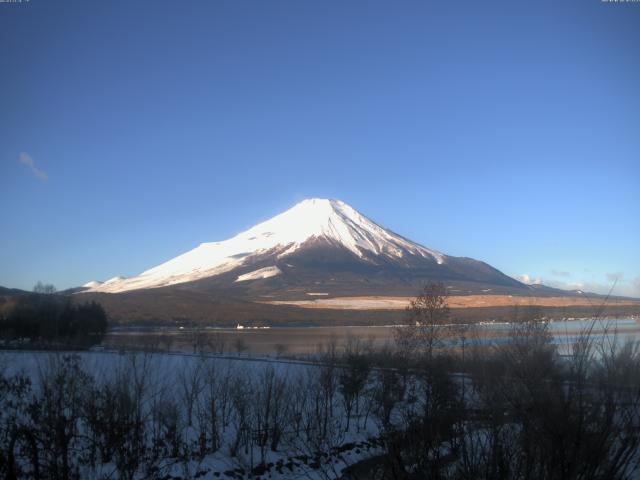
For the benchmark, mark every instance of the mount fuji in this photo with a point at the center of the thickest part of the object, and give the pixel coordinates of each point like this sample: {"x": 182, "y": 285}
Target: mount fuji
{"x": 317, "y": 247}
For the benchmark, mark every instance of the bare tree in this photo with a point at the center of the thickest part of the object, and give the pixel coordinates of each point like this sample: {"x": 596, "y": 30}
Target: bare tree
{"x": 58, "y": 412}
{"x": 280, "y": 349}
{"x": 352, "y": 379}
{"x": 390, "y": 389}
{"x": 217, "y": 342}
{"x": 191, "y": 384}
{"x": 240, "y": 393}
{"x": 167, "y": 341}
{"x": 299, "y": 403}
{"x": 427, "y": 321}
{"x": 18, "y": 442}
{"x": 45, "y": 288}
{"x": 322, "y": 432}
{"x": 270, "y": 409}
{"x": 240, "y": 345}
{"x": 198, "y": 339}
{"x": 213, "y": 401}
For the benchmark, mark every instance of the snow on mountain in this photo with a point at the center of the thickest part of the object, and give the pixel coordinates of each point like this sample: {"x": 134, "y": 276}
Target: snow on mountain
{"x": 266, "y": 272}
{"x": 311, "y": 219}
{"x": 92, "y": 284}
{"x": 114, "y": 280}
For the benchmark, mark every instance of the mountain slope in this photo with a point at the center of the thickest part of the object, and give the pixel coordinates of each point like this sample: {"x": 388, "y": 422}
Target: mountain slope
{"x": 318, "y": 242}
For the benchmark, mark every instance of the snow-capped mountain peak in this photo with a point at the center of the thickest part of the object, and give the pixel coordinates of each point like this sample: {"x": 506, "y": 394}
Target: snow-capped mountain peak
{"x": 332, "y": 221}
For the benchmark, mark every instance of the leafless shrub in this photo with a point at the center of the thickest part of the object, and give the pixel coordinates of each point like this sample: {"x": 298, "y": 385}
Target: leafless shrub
{"x": 19, "y": 449}
{"x": 117, "y": 418}
{"x": 190, "y": 384}
{"x": 197, "y": 338}
{"x": 240, "y": 393}
{"x": 353, "y": 377}
{"x": 240, "y": 345}
{"x": 280, "y": 349}
{"x": 57, "y": 412}
{"x": 552, "y": 418}
{"x": 166, "y": 341}
{"x": 428, "y": 322}
{"x": 217, "y": 342}
{"x": 270, "y": 410}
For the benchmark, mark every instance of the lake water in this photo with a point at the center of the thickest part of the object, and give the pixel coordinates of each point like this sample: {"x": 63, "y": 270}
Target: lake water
{"x": 301, "y": 340}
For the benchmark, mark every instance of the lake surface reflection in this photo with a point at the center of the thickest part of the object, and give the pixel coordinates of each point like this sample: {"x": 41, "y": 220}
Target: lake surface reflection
{"x": 301, "y": 340}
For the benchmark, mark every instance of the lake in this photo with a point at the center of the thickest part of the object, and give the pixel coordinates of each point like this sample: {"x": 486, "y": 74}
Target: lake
{"x": 304, "y": 340}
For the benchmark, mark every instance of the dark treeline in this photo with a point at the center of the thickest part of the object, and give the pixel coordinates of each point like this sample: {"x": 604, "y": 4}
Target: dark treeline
{"x": 48, "y": 319}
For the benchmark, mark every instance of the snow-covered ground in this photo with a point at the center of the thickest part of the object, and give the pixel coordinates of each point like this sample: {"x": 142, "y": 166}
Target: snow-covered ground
{"x": 179, "y": 416}
{"x": 212, "y": 417}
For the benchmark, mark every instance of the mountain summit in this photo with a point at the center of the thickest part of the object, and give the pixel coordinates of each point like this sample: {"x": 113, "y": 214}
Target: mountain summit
{"x": 316, "y": 242}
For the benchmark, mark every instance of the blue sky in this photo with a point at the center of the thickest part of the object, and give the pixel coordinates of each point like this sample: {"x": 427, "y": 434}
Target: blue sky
{"x": 506, "y": 131}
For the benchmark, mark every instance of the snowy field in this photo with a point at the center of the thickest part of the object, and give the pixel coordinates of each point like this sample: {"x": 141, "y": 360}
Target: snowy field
{"x": 187, "y": 416}
{"x": 172, "y": 415}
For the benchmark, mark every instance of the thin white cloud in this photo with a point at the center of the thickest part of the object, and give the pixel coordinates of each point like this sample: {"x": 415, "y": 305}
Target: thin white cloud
{"x": 26, "y": 159}
{"x": 526, "y": 278}
{"x": 560, "y": 273}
